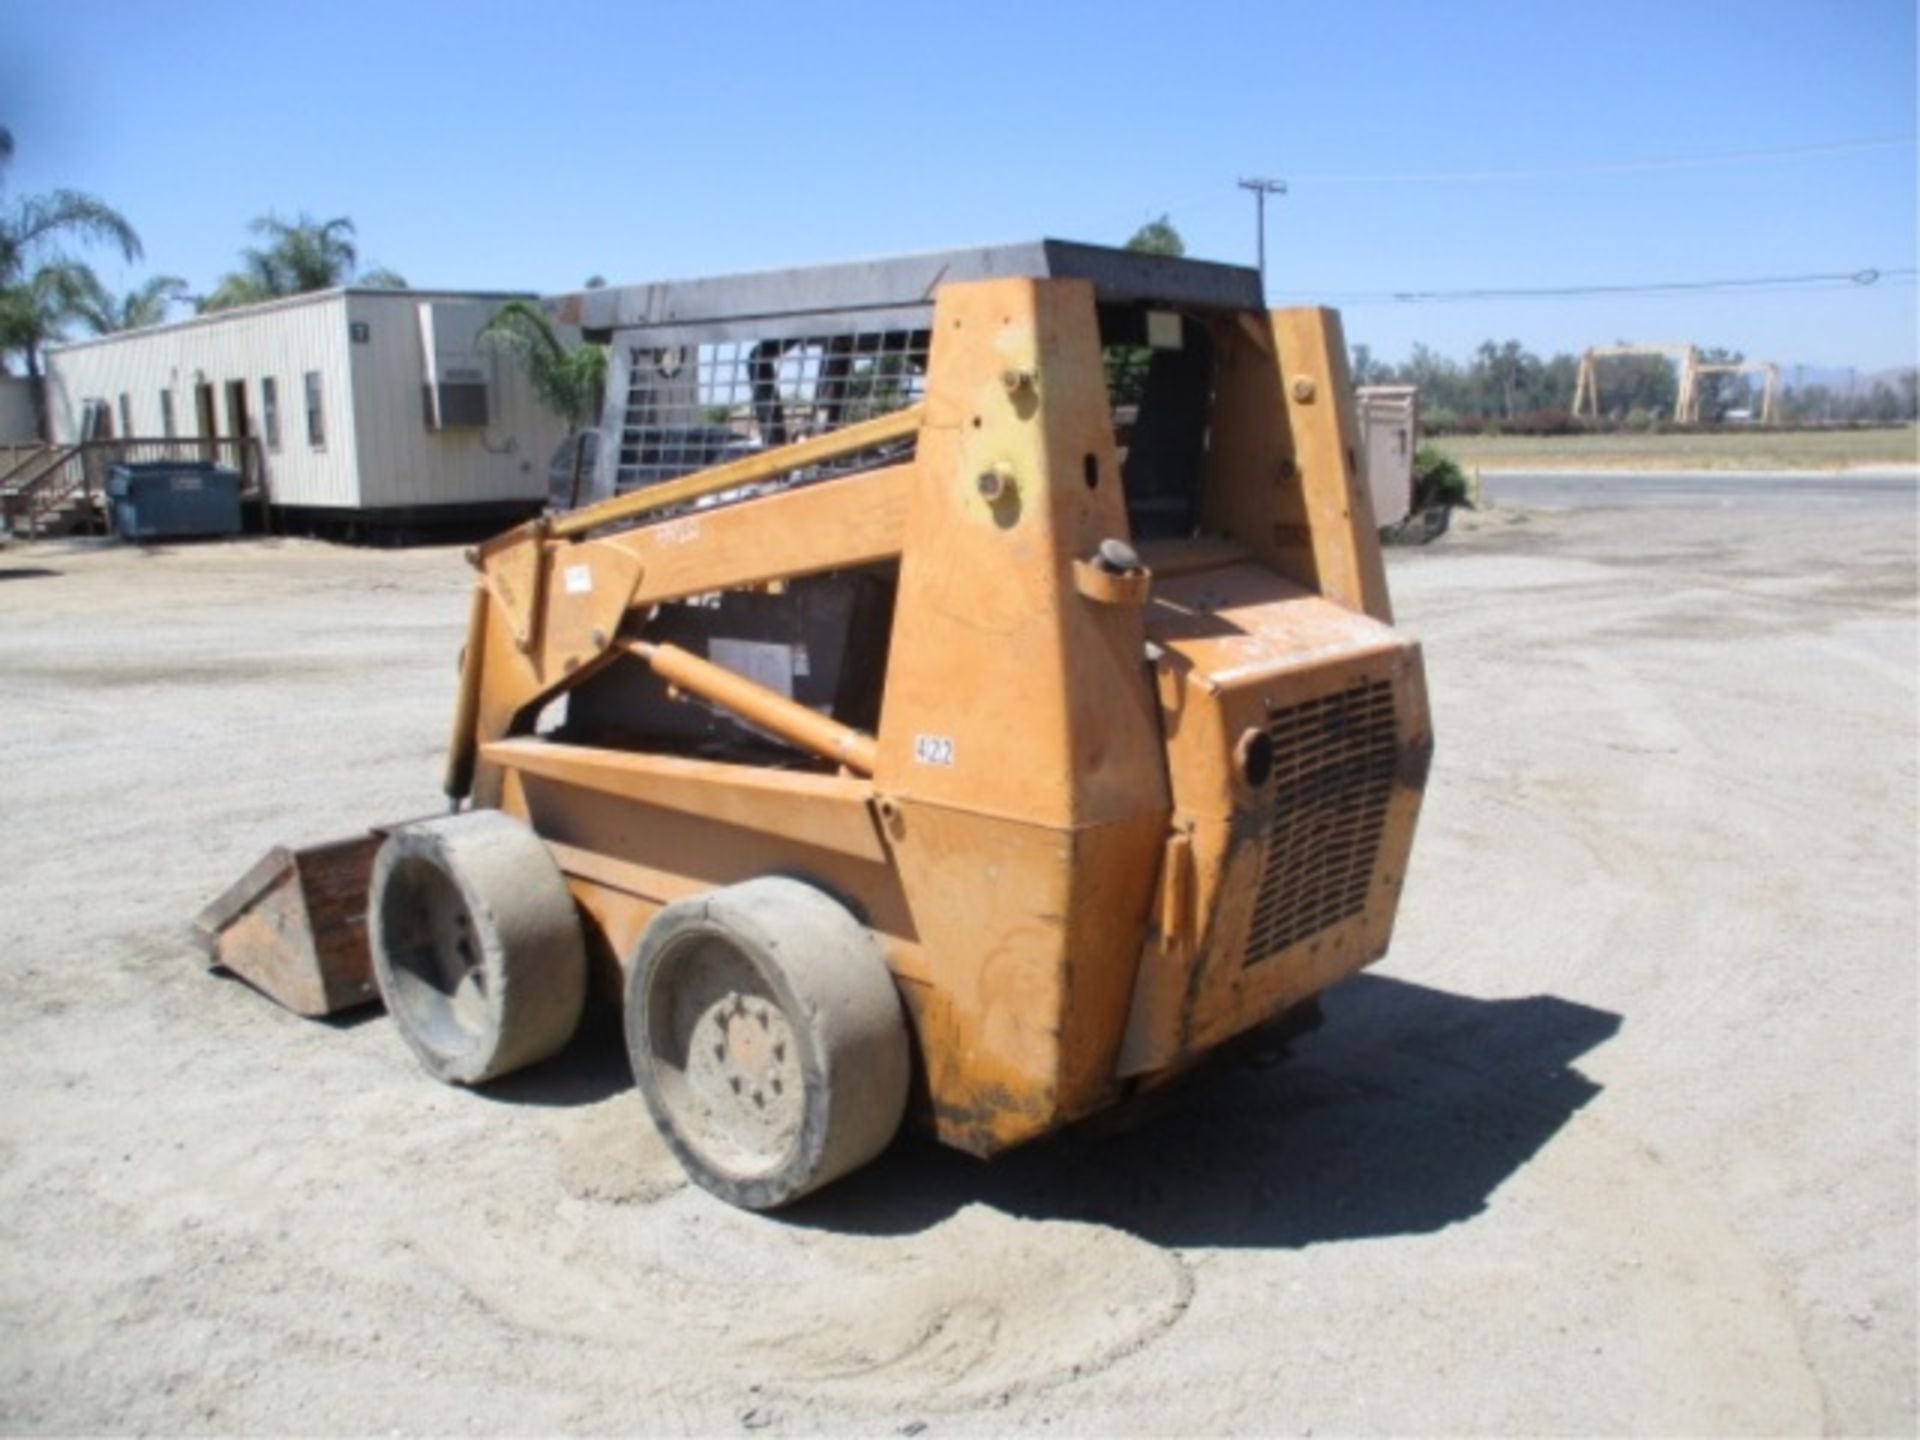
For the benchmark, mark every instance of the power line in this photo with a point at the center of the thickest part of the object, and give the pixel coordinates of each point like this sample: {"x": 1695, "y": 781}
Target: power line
{"x": 1621, "y": 167}
{"x": 1213, "y": 199}
{"x": 1896, "y": 277}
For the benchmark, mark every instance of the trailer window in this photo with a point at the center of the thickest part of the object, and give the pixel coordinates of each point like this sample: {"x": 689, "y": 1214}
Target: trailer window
{"x": 316, "y": 417}
{"x": 270, "y": 411}
{"x": 126, "y": 413}
{"x": 168, "y": 426}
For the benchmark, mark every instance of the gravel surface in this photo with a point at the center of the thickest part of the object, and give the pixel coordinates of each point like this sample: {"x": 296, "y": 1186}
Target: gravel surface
{"x": 1620, "y": 1138}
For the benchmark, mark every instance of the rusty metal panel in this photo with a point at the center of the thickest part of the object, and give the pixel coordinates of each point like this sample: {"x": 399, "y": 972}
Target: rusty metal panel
{"x": 295, "y": 927}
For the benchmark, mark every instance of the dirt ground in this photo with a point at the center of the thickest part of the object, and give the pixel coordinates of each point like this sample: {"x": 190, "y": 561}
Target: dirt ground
{"x": 1620, "y": 1138}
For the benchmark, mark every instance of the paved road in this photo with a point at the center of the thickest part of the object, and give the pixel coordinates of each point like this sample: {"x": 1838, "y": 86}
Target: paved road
{"x": 1894, "y": 490}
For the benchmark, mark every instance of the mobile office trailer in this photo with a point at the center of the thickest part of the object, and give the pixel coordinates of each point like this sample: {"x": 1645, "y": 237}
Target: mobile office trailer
{"x": 367, "y": 409}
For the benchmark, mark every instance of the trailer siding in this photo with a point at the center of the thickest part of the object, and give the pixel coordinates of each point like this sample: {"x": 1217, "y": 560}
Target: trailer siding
{"x": 404, "y": 462}
{"x": 377, "y": 452}
{"x": 284, "y": 340}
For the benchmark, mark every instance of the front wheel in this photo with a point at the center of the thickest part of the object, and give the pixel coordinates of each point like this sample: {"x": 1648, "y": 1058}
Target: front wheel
{"x": 767, "y": 1038}
{"x": 476, "y": 945}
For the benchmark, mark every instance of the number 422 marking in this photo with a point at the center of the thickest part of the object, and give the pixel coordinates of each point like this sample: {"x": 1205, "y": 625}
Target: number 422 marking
{"x": 933, "y": 749}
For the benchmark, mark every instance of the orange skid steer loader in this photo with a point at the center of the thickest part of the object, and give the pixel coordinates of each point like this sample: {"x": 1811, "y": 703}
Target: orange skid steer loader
{"x": 971, "y": 694}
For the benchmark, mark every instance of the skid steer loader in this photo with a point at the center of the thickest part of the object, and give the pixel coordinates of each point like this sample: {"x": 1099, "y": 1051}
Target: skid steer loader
{"x": 971, "y": 694}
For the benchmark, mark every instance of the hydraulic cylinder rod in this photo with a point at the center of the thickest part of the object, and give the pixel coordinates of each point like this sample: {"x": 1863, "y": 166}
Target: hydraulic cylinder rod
{"x": 466, "y": 710}
{"x": 757, "y": 705}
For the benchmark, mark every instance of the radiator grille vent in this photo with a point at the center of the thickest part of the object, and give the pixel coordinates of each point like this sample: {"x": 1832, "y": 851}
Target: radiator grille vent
{"x": 1333, "y": 769}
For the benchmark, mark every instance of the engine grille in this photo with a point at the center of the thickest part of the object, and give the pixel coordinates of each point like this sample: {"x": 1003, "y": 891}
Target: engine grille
{"x": 1333, "y": 769}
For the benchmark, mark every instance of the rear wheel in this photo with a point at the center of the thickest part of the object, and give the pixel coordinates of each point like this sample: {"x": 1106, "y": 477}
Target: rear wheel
{"x": 476, "y": 945}
{"x": 767, "y": 1039}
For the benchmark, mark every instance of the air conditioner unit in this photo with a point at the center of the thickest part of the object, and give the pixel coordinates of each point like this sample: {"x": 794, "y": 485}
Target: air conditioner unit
{"x": 455, "y": 392}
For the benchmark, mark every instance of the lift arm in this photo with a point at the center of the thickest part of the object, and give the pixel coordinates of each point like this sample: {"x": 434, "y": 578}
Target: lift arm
{"x": 551, "y": 597}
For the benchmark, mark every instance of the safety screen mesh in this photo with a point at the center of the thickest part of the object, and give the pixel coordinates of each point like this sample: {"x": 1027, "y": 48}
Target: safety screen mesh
{"x": 701, "y": 403}
{"x": 1334, "y": 760}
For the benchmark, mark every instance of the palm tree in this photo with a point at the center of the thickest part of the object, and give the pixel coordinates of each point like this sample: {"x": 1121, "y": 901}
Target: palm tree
{"x": 36, "y": 311}
{"x": 567, "y": 380}
{"x": 40, "y": 222}
{"x": 105, "y": 313}
{"x": 249, "y": 285}
{"x": 301, "y": 255}
{"x": 37, "y": 304}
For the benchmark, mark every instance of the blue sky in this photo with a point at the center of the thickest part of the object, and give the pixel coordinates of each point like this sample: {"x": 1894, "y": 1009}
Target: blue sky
{"x": 483, "y": 145}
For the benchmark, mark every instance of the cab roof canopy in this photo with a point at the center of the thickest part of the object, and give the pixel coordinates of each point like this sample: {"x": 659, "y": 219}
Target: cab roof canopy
{"x": 898, "y": 290}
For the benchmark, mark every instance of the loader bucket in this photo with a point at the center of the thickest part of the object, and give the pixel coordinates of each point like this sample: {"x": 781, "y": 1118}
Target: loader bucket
{"x": 295, "y": 926}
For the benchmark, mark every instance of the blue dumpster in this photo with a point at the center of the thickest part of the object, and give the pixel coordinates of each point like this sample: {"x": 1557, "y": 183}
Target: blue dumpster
{"x": 165, "y": 498}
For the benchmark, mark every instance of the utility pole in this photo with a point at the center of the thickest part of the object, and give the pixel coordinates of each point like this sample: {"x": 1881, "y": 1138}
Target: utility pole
{"x": 1261, "y": 189}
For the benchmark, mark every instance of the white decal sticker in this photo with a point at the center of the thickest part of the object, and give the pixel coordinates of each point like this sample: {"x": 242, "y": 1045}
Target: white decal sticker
{"x": 933, "y": 749}
{"x": 683, "y": 531}
{"x": 579, "y": 579}
{"x": 802, "y": 666}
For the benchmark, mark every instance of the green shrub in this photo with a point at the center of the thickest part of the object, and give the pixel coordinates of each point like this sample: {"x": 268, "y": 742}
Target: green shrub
{"x": 1437, "y": 479}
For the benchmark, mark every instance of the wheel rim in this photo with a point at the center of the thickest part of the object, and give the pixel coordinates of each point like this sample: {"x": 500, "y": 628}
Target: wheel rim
{"x": 726, "y": 1057}
{"x": 438, "y": 980}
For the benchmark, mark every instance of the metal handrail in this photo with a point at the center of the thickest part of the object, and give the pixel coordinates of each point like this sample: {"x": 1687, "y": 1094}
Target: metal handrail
{"x": 37, "y": 473}
{"x": 41, "y": 485}
{"x": 34, "y": 493}
{"x": 16, "y": 458}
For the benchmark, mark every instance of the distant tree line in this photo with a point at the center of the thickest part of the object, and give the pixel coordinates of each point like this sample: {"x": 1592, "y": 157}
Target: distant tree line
{"x": 1880, "y": 403}
{"x": 1505, "y": 386}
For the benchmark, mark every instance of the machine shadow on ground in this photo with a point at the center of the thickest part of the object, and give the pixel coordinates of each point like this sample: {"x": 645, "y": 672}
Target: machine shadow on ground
{"x": 1401, "y": 1116}
{"x": 593, "y": 1068}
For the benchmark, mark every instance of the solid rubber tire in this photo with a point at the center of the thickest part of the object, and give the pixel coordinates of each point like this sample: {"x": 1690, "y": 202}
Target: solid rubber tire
{"x": 829, "y": 977}
{"x": 526, "y": 942}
